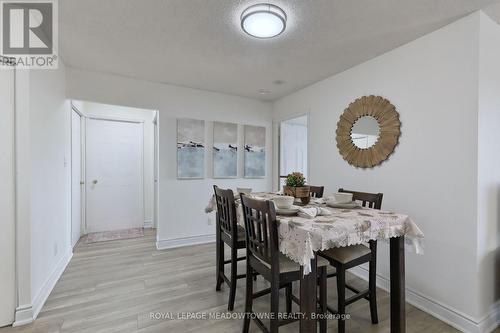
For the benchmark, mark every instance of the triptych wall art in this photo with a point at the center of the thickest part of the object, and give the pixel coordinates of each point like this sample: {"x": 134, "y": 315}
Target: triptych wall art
{"x": 191, "y": 146}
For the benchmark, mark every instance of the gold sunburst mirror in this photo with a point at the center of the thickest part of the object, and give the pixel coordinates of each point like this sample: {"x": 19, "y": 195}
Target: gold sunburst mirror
{"x": 368, "y": 131}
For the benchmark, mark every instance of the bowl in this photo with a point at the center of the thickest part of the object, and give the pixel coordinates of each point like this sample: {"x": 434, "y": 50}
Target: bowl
{"x": 283, "y": 202}
{"x": 244, "y": 190}
{"x": 343, "y": 198}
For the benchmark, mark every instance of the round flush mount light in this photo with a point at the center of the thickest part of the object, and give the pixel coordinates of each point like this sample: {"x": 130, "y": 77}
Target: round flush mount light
{"x": 263, "y": 20}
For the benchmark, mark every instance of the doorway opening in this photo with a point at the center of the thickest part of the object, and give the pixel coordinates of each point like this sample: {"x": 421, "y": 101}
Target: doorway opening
{"x": 113, "y": 171}
{"x": 293, "y": 135}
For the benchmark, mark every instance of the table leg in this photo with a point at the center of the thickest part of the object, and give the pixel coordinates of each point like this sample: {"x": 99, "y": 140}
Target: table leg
{"x": 308, "y": 294}
{"x": 398, "y": 315}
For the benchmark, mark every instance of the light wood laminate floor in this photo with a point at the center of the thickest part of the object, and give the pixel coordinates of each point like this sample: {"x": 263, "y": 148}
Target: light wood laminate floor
{"x": 116, "y": 287}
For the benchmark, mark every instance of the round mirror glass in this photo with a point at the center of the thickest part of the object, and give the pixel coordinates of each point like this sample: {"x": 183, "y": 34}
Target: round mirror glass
{"x": 365, "y": 132}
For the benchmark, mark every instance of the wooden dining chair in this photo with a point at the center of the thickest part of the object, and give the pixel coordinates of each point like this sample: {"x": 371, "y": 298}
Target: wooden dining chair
{"x": 264, "y": 257}
{"x": 344, "y": 258}
{"x": 228, "y": 232}
{"x": 317, "y": 191}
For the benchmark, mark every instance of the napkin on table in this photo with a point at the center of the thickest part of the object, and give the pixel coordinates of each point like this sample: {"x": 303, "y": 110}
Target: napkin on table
{"x": 319, "y": 201}
{"x": 312, "y": 212}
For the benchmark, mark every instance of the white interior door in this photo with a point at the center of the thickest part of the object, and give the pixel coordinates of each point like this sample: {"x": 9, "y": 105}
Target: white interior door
{"x": 7, "y": 201}
{"x": 76, "y": 177}
{"x": 114, "y": 175}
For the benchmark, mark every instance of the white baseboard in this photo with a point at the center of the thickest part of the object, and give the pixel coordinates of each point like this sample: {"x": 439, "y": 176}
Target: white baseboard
{"x": 44, "y": 292}
{"x": 186, "y": 241}
{"x": 441, "y": 311}
{"x": 24, "y": 315}
{"x": 148, "y": 224}
{"x": 492, "y": 320}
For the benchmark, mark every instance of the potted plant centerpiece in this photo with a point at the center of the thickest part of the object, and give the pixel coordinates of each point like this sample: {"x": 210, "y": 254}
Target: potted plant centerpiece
{"x": 296, "y": 187}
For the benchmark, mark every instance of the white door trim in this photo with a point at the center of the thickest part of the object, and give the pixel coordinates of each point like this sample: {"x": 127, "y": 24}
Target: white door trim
{"x": 82, "y": 170}
{"x": 77, "y": 110}
{"x": 83, "y": 128}
{"x": 156, "y": 168}
{"x": 119, "y": 119}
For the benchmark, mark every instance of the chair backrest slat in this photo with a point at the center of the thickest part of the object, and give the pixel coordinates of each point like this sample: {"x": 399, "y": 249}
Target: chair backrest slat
{"x": 372, "y": 200}
{"x": 226, "y": 210}
{"x": 261, "y": 230}
{"x": 317, "y": 191}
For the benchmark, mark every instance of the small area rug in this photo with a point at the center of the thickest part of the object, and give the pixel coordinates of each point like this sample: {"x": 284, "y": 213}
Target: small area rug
{"x": 96, "y": 237}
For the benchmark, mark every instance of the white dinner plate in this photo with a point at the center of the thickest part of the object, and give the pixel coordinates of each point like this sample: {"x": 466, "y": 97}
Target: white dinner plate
{"x": 349, "y": 205}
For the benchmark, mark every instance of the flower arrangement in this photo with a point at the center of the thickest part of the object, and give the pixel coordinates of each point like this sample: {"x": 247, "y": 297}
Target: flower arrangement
{"x": 295, "y": 179}
{"x": 295, "y": 186}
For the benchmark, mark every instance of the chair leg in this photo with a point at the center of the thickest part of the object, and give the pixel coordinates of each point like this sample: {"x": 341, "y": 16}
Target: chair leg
{"x": 372, "y": 282}
{"x": 341, "y": 298}
{"x": 248, "y": 299}
{"x": 275, "y": 302}
{"x": 323, "y": 299}
{"x": 234, "y": 273}
{"x": 288, "y": 292}
{"x": 220, "y": 262}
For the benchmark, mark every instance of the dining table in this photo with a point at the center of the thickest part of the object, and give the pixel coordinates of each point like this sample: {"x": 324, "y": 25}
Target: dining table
{"x": 317, "y": 226}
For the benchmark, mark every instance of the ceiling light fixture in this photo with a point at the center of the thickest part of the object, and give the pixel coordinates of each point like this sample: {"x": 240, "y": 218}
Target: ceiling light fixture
{"x": 263, "y": 20}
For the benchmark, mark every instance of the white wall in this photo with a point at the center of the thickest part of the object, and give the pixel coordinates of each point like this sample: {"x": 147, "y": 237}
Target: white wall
{"x": 50, "y": 191}
{"x": 432, "y": 176}
{"x": 7, "y": 198}
{"x": 98, "y": 109}
{"x": 488, "y": 193}
{"x": 181, "y": 217}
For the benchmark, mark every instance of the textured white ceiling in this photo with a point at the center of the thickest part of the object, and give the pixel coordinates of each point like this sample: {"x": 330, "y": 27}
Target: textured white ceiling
{"x": 493, "y": 11}
{"x": 199, "y": 43}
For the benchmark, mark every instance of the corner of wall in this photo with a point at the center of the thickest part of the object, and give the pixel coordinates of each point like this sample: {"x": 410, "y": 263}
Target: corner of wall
{"x": 488, "y": 176}
{"x": 24, "y": 310}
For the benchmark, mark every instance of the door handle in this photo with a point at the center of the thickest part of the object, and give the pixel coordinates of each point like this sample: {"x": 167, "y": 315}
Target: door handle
{"x": 82, "y": 183}
{"x": 94, "y": 181}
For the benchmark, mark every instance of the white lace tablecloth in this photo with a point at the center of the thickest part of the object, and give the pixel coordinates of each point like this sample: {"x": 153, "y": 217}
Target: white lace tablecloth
{"x": 301, "y": 237}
